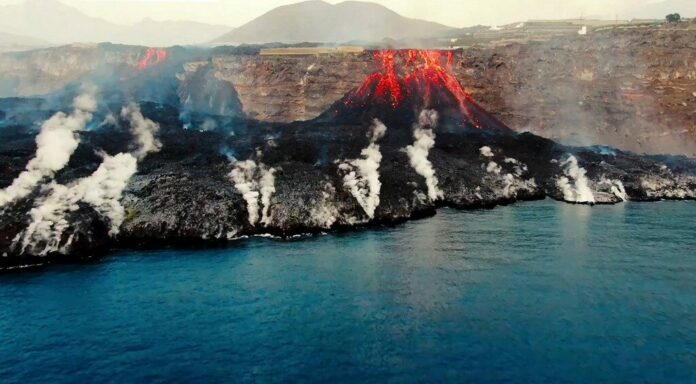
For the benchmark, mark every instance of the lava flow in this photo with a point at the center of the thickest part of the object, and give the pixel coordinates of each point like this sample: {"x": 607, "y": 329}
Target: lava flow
{"x": 423, "y": 77}
{"x": 153, "y": 57}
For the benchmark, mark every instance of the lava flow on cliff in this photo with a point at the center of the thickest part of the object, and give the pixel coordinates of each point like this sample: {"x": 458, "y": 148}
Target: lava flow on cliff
{"x": 153, "y": 57}
{"x": 413, "y": 80}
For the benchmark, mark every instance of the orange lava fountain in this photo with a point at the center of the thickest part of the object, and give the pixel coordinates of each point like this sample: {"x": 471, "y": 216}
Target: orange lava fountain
{"x": 412, "y": 74}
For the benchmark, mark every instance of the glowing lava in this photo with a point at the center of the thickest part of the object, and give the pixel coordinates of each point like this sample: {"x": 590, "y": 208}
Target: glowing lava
{"x": 424, "y": 77}
{"x": 388, "y": 85}
{"x": 153, "y": 57}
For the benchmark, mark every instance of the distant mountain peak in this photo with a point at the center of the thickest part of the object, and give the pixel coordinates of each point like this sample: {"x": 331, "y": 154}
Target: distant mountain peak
{"x": 319, "y": 21}
{"x": 60, "y": 23}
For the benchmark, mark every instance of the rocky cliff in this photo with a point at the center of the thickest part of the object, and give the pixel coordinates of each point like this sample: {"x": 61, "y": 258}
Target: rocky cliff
{"x": 88, "y": 169}
{"x": 630, "y": 88}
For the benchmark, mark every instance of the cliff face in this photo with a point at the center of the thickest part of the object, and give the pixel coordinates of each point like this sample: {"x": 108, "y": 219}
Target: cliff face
{"x": 165, "y": 153}
{"x": 286, "y": 88}
{"x": 632, "y": 89}
{"x": 49, "y": 70}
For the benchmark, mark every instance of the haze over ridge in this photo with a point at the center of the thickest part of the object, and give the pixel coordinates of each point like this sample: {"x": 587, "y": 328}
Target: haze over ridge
{"x": 49, "y": 22}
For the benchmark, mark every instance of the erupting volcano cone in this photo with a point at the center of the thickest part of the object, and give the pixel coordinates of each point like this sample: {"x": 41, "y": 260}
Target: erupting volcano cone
{"x": 408, "y": 82}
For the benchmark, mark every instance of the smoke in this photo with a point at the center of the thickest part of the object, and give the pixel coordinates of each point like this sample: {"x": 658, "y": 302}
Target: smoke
{"x": 486, "y": 151}
{"x": 615, "y": 186}
{"x": 324, "y": 214}
{"x": 110, "y": 119}
{"x": 619, "y": 191}
{"x": 48, "y": 220}
{"x": 55, "y": 144}
{"x": 243, "y": 178}
{"x": 267, "y": 184}
{"x": 256, "y": 183}
{"x": 666, "y": 185}
{"x": 493, "y": 168}
{"x": 564, "y": 96}
{"x": 86, "y": 101}
{"x": 518, "y": 167}
{"x": 509, "y": 183}
{"x": 377, "y": 132}
{"x": 143, "y": 129}
{"x": 574, "y": 185}
{"x": 102, "y": 190}
{"x": 208, "y": 125}
{"x": 361, "y": 176}
{"x": 418, "y": 152}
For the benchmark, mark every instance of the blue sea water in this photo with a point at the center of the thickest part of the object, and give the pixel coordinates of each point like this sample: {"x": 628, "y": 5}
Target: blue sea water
{"x": 535, "y": 292}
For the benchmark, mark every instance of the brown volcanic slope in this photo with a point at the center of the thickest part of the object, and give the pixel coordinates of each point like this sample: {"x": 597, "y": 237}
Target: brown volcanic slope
{"x": 633, "y": 89}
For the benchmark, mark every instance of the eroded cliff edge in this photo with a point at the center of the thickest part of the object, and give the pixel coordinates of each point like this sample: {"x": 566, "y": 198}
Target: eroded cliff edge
{"x": 634, "y": 89}
{"x": 163, "y": 151}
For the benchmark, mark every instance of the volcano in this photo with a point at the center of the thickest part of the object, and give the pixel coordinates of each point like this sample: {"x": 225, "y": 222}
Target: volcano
{"x": 406, "y": 82}
{"x": 407, "y": 141}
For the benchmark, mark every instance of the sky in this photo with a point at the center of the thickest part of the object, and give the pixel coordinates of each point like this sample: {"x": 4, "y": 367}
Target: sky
{"x": 456, "y": 13}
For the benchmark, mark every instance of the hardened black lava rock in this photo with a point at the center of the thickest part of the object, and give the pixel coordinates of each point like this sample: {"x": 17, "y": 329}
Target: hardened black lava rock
{"x": 184, "y": 194}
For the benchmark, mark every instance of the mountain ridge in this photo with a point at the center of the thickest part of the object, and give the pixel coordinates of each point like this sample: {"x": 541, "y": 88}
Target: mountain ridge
{"x": 319, "y": 21}
{"x": 11, "y": 39}
{"x": 58, "y": 23}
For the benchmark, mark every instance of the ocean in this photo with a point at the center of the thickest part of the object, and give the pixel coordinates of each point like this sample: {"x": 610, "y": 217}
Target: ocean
{"x": 532, "y": 292}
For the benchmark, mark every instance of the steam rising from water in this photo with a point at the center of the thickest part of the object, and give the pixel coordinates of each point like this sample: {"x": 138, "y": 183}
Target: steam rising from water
{"x": 616, "y": 187}
{"x": 55, "y": 144}
{"x": 267, "y": 184}
{"x": 102, "y": 190}
{"x": 325, "y": 213}
{"x": 418, "y": 152}
{"x": 361, "y": 176}
{"x": 256, "y": 183}
{"x": 508, "y": 184}
{"x": 574, "y": 185}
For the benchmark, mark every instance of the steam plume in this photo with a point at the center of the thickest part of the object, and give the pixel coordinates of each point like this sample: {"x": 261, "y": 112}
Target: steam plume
{"x": 616, "y": 187}
{"x": 102, "y": 190}
{"x": 574, "y": 184}
{"x": 361, "y": 176}
{"x": 256, "y": 183}
{"x": 143, "y": 129}
{"x": 267, "y": 184}
{"x": 494, "y": 168}
{"x": 486, "y": 151}
{"x": 55, "y": 144}
{"x": 418, "y": 152}
{"x": 325, "y": 213}
{"x": 243, "y": 177}
{"x": 510, "y": 183}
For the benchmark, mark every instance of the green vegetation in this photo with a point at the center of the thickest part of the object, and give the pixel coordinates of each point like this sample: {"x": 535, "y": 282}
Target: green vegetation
{"x": 673, "y": 18}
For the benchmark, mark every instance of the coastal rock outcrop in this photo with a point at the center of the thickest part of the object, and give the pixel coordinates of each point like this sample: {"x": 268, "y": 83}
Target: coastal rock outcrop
{"x": 407, "y": 141}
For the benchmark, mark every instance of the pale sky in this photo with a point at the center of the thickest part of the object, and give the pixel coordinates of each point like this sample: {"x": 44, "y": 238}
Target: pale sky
{"x": 456, "y": 13}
